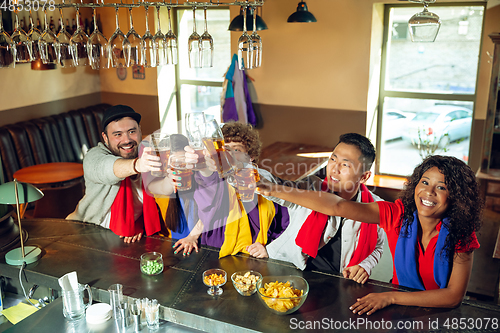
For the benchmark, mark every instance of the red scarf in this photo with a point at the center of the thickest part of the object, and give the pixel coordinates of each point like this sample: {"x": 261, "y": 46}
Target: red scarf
{"x": 310, "y": 233}
{"x": 122, "y": 212}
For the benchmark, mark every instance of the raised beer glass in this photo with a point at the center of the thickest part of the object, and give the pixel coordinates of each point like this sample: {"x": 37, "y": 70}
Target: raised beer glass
{"x": 193, "y": 121}
{"x": 160, "y": 142}
{"x": 246, "y": 177}
{"x": 214, "y": 142}
{"x": 177, "y": 162}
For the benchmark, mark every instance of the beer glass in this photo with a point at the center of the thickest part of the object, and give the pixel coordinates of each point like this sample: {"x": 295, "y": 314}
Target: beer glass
{"x": 160, "y": 142}
{"x": 193, "y": 121}
{"x": 116, "y": 299}
{"x": 73, "y": 306}
{"x": 178, "y": 164}
{"x": 246, "y": 177}
{"x": 214, "y": 142}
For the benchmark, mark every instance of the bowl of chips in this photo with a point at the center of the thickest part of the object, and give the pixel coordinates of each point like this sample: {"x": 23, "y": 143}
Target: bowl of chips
{"x": 246, "y": 282}
{"x": 214, "y": 278}
{"x": 282, "y": 295}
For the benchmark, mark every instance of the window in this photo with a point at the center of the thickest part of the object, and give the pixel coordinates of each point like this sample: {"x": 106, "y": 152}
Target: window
{"x": 185, "y": 89}
{"x": 427, "y": 90}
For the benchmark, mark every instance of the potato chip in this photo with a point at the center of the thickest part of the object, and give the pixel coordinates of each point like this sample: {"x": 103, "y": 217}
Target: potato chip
{"x": 279, "y": 290}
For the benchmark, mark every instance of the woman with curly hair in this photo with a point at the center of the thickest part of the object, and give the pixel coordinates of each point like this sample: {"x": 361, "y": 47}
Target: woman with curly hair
{"x": 430, "y": 230}
{"x": 242, "y": 139}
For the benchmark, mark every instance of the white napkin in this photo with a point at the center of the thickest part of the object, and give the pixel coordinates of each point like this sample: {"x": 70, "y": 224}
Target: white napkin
{"x": 69, "y": 281}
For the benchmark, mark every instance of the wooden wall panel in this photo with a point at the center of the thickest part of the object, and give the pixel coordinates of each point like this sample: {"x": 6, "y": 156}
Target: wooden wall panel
{"x": 46, "y": 109}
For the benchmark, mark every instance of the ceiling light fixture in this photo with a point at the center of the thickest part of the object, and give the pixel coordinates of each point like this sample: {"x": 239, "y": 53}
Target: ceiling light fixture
{"x": 424, "y": 26}
{"x": 237, "y": 23}
{"x": 302, "y": 14}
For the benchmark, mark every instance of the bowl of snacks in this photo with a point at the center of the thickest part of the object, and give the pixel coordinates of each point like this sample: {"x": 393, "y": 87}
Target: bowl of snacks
{"x": 214, "y": 278}
{"x": 282, "y": 295}
{"x": 246, "y": 282}
{"x": 151, "y": 263}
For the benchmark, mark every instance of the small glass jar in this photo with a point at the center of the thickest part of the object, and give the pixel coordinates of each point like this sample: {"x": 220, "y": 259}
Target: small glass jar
{"x": 151, "y": 263}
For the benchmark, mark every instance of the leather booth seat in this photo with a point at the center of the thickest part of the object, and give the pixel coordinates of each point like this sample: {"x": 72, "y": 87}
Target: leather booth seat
{"x": 63, "y": 137}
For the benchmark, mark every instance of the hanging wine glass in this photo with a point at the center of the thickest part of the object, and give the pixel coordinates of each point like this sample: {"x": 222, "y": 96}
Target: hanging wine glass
{"x": 256, "y": 42}
{"x": 63, "y": 45}
{"x": 245, "y": 46}
{"x": 194, "y": 45}
{"x": 207, "y": 46}
{"x": 22, "y": 43}
{"x": 159, "y": 42}
{"x": 148, "y": 55}
{"x": 96, "y": 47}
{"x": 34, "y": 35}
{"x": 78, "y": 43}
{"x": 133, "y": 46}
{"x": 117, "y": 45}
{"x": 171, "y": 38}
{"x": 7, "y": 49}
{"x": 47, "y": 43}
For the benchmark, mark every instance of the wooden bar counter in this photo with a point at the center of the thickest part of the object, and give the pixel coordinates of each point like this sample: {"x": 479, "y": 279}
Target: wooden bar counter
{"x": 101, "y": 258}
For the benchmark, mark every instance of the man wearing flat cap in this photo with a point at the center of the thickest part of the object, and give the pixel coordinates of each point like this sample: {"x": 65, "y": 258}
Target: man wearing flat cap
{"x": 115, "y": 197}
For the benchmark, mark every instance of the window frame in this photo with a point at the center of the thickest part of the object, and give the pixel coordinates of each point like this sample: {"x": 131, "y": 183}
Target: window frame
{"x": 383, "y": 92}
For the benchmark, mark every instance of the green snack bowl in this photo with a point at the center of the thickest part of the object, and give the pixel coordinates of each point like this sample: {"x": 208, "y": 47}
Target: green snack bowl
{"x": 151, "y": 263}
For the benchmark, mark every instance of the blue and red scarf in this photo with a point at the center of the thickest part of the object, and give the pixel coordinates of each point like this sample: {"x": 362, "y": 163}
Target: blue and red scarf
{"x": 405, "y": 257}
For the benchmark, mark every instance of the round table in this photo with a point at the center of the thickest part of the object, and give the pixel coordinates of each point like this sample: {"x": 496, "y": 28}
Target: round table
{"x": 49, "y": 173}
{"x": 61, "y": 183}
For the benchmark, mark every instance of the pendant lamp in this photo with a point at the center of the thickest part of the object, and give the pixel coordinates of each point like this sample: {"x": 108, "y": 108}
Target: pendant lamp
{"x": 424, "y": 26}
{"x": 237, "y": 23}
{"x": 302, "y": 14}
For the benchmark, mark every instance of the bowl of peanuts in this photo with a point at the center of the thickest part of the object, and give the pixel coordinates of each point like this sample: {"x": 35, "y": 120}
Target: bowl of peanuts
{"x": 214, "y": 278}
{"x": 245, "y": 282}
{"x": 282, "y": 295}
